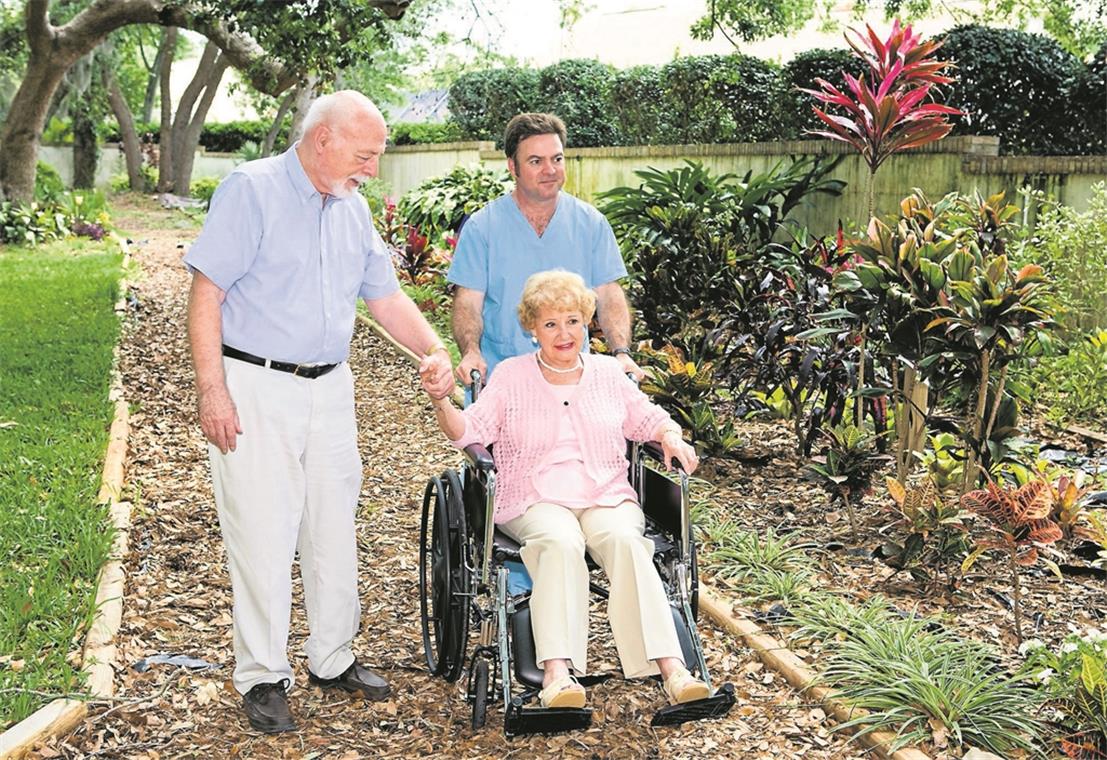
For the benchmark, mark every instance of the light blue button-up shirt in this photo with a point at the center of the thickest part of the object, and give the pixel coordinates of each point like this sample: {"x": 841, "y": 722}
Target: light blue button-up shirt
{"x": 292, "y": 266}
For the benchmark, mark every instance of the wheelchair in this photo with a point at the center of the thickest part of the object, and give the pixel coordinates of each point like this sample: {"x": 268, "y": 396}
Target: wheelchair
{"x": 472, "y": 579}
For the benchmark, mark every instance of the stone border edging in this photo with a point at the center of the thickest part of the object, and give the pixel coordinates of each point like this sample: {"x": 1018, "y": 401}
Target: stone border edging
{"x": 64, "y": 714}
{"x": 795, "y": 672}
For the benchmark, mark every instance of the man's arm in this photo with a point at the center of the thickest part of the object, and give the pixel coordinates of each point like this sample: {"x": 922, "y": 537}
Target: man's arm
{"x": 468, "y": 326}
{"x": 614, "y": 317}
{"x": 218, "y": 416}
{"x": 399, "y": 315}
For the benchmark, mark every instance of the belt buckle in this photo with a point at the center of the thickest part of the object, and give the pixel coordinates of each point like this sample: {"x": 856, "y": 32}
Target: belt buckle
{"x": 296, "y": 371}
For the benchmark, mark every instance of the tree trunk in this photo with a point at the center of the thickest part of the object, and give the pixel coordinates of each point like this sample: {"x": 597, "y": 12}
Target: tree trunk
{"x": 153, "y": 77}
{"x": 185, "y": 106}
{"x": 303, "y": 102}
{"x": 271, "y": 135}
{"x": 165, "y": 138}
{"x": 185, "y": 150}
{"x": 54, "y": 49}
{"x": 86, "y": 150}
{"x": 976, "y": 425}
{"x": 132, "y": 151}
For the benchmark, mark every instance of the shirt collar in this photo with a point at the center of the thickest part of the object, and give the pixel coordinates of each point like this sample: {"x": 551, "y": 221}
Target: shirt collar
{"x": 297, "y": 175}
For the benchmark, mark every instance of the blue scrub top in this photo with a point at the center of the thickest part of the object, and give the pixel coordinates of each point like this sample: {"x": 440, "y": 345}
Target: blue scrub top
{"x": 498, "y": 250}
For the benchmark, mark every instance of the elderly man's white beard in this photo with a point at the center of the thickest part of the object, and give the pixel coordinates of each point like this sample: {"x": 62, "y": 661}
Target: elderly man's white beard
{"x": 341, "y": 190}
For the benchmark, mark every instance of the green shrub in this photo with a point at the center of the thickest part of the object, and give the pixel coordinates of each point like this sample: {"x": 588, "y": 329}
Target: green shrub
{"x": 1072, "y": 247}
{"x": 57, "y": 132}
{"x": 579, "y": 92}
{"x": 714, "y": 98}
{"x": 482, "y": 102}
{"x": 404, "y": 133}
{"x": 637, "y": 104}
{"x": 1074, "y": 681}
{"x": 438, "y": 205}
{"x": 232, "y": 136}
{"x": 204, "y": 188}
{"x": 48, "y": 183}
{"x": 795, "y": 106}
{"x": 1072, "y": 385}
{"x": 376, "y": 192}
{"x": 1086, "y": 100}
{"x": 1014, "y": 85}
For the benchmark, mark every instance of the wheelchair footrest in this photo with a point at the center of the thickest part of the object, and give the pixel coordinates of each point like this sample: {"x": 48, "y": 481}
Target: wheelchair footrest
{"x": 715, "y": 706}
{"x": 545, "y": 720}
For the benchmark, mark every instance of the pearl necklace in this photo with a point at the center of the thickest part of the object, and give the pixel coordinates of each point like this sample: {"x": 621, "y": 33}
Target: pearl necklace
{"x": 574, "y": 368}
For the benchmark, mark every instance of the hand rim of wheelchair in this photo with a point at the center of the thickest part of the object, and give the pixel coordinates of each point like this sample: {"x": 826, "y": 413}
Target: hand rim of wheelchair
{"x": 444, "y": 578}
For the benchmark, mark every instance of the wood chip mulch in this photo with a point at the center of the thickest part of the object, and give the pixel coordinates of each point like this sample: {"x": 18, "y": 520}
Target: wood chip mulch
{"x": 178, "y": 597}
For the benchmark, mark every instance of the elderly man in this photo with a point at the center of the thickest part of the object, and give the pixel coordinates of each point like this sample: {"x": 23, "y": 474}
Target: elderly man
{"x": 533, "y": 228}
{"x": 287, "y": 249}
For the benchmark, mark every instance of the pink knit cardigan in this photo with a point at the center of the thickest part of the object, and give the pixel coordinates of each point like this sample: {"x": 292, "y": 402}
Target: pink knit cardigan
{"x": 519, "y": 413}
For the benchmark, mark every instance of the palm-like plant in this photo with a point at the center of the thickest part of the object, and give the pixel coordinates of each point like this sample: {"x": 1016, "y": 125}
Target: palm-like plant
{"x": 1020, "y": 522}
{"x": 889, "y": 112}
{"x": 846, "y": 469}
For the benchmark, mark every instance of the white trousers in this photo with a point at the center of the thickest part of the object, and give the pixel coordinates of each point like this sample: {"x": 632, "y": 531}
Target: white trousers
{"x": 554, "y": 540}
{"x": 291, "y": 484}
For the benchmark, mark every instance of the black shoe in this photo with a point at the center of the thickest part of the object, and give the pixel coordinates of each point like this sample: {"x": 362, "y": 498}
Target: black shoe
{"x": 266, "y": 707}
{"x": 355, "y": 679}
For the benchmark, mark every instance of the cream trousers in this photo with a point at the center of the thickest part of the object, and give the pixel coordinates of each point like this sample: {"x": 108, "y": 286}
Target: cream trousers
{"x": 291, "y": 484}
{"x": 554, "y": 540}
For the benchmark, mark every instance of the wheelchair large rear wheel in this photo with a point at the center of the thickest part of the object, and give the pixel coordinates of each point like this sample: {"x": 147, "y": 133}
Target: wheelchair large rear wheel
{"x": 444, "y": 576}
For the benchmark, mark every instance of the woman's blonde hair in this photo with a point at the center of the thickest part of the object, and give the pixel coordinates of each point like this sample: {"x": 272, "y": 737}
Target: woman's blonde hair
{"x": 555, "y": 289}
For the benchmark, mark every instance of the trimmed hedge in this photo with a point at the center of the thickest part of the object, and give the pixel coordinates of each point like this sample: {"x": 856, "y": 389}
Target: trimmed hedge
{"x": 1014, "y": 85}
{"x": 217, "y": 137}
{"x": 1021, "y": 87}
{"x": 419, "y": 133}
{"x": 795, "y": 107}
{"x": 579, "y": 91}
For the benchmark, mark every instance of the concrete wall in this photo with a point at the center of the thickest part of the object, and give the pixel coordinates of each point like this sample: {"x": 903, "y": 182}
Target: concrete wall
{"x": 964, "y": 164}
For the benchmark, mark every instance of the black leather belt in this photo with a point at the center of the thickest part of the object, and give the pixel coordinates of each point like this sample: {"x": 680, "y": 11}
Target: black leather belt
{"x": 310, "y": 371}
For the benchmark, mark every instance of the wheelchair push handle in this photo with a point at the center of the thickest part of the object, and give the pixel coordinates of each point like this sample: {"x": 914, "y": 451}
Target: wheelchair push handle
{"x": 474, "y": 383}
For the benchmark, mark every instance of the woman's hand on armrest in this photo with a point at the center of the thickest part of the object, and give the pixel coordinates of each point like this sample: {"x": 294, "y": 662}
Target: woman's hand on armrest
{"x": 673, "y": 446}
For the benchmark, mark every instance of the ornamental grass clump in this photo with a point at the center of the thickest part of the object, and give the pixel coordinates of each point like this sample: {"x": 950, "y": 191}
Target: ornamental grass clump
{"x": 763, "y": 566}
{"x": 926, "y": 686}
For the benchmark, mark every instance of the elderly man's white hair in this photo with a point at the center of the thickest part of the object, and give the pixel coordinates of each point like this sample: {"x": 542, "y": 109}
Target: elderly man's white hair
{"x": 338, "y": 107}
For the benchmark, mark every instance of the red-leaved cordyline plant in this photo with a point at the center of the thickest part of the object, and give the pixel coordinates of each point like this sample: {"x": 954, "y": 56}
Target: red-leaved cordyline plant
{"x": 1020, "y": 523}
{"x": 887, "y": 113}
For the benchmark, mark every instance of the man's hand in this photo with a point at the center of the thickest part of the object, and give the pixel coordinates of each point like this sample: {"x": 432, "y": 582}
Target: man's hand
{"x": 472, "y": 361}
{"x": 435, "y": 374}
{"x": 219, "y": 418}
{"x": 631, "y": 367}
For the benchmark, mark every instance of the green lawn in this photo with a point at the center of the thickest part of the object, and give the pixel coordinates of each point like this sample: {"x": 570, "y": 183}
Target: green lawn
{"x": 57, "y": 330}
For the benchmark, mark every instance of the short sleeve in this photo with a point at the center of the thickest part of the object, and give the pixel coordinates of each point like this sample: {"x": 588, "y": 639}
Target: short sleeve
{"x": 232, "y": 233}
{"x": 607, "y": 261}
{"x": 469, "y": 268}
{"x": 379, "y": 280}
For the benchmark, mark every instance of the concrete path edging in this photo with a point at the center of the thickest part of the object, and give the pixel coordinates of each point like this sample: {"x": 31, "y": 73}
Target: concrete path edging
{"x": 99, "y": 657}
{"x": 796, "y": 672}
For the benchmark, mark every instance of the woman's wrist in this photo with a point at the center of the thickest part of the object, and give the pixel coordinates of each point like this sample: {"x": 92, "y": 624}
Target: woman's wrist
{"x": 671, "y": 431}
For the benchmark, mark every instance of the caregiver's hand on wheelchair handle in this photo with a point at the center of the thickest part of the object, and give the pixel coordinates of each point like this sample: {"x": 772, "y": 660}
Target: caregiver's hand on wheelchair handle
{"x": 673, "y": 446}
{"x": 472, "y": 360}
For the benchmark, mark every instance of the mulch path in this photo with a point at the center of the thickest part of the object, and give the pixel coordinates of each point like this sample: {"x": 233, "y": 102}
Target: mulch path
{"x": 178, "y": 592}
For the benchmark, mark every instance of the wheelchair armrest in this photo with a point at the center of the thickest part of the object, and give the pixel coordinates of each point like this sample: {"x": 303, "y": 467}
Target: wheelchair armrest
{"x": 480, "y": 457}
{"x": 653, "y": 450}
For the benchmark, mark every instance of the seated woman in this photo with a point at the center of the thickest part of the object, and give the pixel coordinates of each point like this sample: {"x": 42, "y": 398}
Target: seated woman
{"x": 559, "y": 420}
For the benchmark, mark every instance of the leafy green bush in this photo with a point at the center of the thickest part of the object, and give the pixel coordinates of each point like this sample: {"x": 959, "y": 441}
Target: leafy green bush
{"x": 637, "y": 104}
{"x": 1074, "y": 681}
{"x": 1014, "y": 85}
{"x": 1072, "y": 385}
{"x": 30, "y": 223}
{"x": 57, "y": 132}
{"x": 232, "y": 136}
{"x": 482, "y": 102}
{"x": 795, "y": 107}
{"x": 1072, "y": 247}
{"x": 1086, "y": 100}
{"x": 203, "y": 188}
{"x": 48, "y": 183}
{"x": 405, "y": 133}
{"x": 714, "y": 98}
{"x": 578, "y": 91}
{"x": 437, "y": 205}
